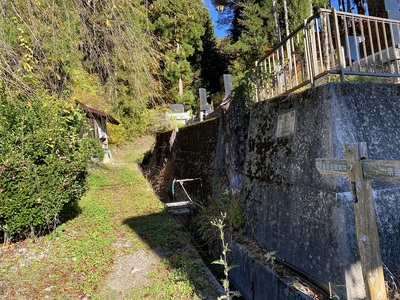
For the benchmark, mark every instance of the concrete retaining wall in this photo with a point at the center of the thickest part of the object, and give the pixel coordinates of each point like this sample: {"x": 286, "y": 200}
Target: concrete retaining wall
{"x": 190, "y": 152}
{"x": 307, "y": 218}
{"x": 256, "y": 280}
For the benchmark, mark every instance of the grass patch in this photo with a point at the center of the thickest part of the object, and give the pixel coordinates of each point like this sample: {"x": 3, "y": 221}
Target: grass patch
{"x": 119, "y": 216}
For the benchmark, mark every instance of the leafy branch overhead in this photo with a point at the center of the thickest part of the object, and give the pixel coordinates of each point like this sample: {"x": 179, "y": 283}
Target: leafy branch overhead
{"x": 92, "y": 51}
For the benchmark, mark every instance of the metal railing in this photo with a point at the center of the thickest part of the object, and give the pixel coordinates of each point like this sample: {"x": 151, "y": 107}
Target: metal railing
{"x": 330, "y": 42}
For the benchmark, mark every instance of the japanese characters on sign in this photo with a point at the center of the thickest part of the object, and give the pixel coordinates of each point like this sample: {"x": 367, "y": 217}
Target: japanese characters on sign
{"x": 326, "y": 166}
{"x": 331, "y": 166}
{"x": 383, "y": 170}
{"x": 286, "y": 124}
{"x": 393, "y": 172}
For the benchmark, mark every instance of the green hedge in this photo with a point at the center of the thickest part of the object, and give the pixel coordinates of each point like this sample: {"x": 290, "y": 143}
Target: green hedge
{"x": 43, "y": 164}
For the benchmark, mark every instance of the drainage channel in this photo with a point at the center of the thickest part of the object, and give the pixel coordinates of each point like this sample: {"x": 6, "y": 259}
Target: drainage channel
{"x": 183, "y": 212}
{"x": 319, "y": 289}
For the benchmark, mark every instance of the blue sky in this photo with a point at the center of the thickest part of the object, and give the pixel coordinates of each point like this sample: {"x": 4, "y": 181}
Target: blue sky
{"x": 221, "y": 32}
{"x": 214, "y": 17}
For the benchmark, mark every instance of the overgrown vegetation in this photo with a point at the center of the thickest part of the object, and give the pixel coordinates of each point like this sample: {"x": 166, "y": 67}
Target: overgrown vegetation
{"x": 102, "y": 53}
{"x": 209, "y": 236}
{"x": 43, "y": 165}
{"x": 119, "y": 218}
{"x": 124, "y": 57}
{"x": 96, "y": 52}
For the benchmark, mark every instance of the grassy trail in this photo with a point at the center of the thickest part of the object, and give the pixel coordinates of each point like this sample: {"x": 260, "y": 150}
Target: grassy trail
{"x": 121, "y": 245}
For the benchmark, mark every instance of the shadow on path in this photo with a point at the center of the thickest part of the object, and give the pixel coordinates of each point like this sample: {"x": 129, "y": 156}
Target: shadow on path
{"x": 166, "y": 237}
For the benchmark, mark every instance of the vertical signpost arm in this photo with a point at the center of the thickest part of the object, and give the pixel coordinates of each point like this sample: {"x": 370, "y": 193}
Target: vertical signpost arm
{"x": 366, "y": 227}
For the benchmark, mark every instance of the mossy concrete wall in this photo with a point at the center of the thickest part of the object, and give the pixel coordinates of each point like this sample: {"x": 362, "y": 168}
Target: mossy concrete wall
{"x": 306, "y": 217}
{"x": 257, "y": 280}
{"x": 289, "y": 207}
{"x": 189, "y": 152}
{"x": 213, "y": 150}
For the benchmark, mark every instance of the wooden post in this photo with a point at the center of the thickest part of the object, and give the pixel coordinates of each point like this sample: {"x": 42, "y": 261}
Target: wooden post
{"x": 361, "y": 171}
{"x": 366, "y": 228}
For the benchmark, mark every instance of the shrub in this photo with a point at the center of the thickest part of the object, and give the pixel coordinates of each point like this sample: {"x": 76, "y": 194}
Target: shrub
{"x": 43, "y": 164}
{"x": 117, "y": 134}
{"x": 95, "y": 150}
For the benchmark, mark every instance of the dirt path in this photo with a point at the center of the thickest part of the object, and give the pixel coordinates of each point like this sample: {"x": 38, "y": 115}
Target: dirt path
{"x": 120, "y": 244}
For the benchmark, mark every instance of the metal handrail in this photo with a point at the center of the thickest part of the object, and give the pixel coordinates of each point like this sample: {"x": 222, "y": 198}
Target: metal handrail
{"x": 329, "y": 42}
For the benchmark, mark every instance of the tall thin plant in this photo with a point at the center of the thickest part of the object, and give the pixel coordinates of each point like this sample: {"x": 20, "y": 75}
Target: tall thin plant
{"x": 220, "y": 224}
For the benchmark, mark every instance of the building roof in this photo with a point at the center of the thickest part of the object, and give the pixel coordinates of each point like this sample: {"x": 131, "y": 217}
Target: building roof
{"x": 94, "y": 113}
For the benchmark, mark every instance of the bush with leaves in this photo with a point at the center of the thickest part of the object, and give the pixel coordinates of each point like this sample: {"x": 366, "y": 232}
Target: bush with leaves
{"x": 43, "y": 164}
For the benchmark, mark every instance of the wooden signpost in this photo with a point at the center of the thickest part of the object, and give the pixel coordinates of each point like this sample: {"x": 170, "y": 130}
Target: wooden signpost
{"x": 361, "y": 171}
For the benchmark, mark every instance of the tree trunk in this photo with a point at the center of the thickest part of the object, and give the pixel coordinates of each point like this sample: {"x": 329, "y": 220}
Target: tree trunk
{"x": 276, "y": 21}
{"x": 286, "y": 18}
{"x": 180, "y": 86}
{"x": 180, "y": 83}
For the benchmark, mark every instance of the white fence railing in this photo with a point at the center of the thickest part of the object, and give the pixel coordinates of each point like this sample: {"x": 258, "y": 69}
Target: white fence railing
{"x": 330, "y": 42}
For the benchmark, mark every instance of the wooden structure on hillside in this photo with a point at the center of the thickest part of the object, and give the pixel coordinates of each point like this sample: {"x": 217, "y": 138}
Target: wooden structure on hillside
{"x": 98, "y": 123}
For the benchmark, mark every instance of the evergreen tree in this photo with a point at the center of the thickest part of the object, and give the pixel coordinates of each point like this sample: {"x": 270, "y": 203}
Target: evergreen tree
{"x": 180, "y": 28}
{"x": 211, "y": 61}
{"x": 258, "y": 25}
{"x": 231, "y": 14}
{"x": 257, "y": 34}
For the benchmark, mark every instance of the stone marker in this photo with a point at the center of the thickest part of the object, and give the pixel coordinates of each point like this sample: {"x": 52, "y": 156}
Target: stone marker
{"x": 177, "y": 108}
{"x": 203, "y": 100}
